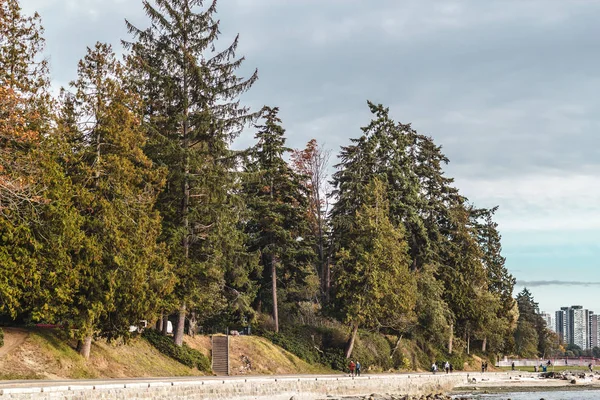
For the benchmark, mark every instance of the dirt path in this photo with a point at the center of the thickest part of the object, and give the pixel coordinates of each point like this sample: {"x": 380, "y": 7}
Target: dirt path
{"x": 13, "y": 338}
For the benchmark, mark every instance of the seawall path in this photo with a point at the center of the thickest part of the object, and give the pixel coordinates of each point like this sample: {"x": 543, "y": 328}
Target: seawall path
{"x": 300, "y": 387}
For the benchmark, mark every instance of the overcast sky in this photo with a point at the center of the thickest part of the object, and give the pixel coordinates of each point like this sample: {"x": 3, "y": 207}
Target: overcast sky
{"x": 511, "y": 89}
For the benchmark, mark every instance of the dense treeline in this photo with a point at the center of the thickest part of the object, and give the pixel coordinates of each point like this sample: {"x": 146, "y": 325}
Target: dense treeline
{"x": 122, "y": 200}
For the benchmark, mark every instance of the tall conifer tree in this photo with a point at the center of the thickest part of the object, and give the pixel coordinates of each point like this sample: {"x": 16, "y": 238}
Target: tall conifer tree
{"x": 124, "y": 270}
{"x": 278, "y": 227}
{"x": 192, "y": 113}
{"x": 373, "y": 282}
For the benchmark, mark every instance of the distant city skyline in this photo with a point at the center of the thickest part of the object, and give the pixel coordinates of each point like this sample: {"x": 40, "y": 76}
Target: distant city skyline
{"x": 576, "y": 325}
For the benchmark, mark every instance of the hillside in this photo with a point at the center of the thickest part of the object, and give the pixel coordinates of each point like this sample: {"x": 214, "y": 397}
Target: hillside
{"x": 257, "y": 355}
{"x": 44, "y": 354}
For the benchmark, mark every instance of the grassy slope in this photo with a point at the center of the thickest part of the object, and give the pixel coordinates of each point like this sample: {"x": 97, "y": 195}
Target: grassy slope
{"x": 43, "y": 354}
{"x": 265, "y": 357}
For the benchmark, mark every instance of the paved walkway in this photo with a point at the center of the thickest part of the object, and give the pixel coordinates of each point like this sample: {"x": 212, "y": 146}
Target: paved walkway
{"x": 257, "y": 378}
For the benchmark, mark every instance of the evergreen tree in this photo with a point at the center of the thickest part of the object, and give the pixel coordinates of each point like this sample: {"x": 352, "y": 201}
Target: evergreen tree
{"x": 23, "y": 103}
{"x": 123, "y": 271}
{"x": 278, "y": 228}
{"x": 526, "y": 334}
{"x": 500, "y": 281}
{"x": 192, "y": 112}
{"x": 374, "y": 286}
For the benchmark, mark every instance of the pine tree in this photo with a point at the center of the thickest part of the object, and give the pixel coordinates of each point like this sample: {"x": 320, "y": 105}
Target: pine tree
{"x": 278, "y": 227}
{"x": 190, "y": 91}
{"x": 374, "y": 286}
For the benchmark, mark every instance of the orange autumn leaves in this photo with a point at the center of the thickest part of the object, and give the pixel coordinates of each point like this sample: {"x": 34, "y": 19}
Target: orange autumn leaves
{"x": 15, "y": 136}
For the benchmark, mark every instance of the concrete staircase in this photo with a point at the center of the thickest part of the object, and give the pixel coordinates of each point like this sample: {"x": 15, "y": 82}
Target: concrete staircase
{"x": 220, "y": 355}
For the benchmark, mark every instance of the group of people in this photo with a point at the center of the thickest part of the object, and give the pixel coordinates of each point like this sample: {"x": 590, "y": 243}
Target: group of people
{"x": 542, "y": 367}
{"x": 447, "y": 367}
{"x": 354, "y": 368}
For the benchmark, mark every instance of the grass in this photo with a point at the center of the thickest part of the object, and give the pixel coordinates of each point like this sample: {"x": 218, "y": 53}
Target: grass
{"x": 50, "y": 354}
{"x": 266, "y": 358}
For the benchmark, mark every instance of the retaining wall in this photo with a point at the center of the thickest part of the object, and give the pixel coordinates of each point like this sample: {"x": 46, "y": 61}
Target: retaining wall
{"x": 302, "y": 388}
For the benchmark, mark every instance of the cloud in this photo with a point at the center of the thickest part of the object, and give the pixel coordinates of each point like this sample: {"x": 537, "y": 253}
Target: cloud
{"x": 556, "y": 283}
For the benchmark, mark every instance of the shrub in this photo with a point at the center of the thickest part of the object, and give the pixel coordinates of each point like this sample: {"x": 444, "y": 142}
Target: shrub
{"x": 335, "y": 359}
{"x": 1, "y": 337}
{"x": 296, "y": 345}
{"x": 373, "y": 350}
{"x": 184, "y": 354}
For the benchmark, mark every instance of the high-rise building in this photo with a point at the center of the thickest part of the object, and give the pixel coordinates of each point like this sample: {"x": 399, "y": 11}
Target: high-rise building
{"x": 561, "y": 324}
{"x": 594, "y": 330}
{"x": 579, "y": 325}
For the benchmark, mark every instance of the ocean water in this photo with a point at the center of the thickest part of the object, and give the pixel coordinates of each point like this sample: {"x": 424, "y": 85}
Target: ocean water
{"x": 553, "y": 395}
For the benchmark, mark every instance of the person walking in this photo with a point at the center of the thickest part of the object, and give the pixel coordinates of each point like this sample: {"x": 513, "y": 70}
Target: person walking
{"x": 451, "y": 368}
{"x": 434, "y": 368}
{"x": 447, "y": 367}
{"x": 358, "y": 368}
{"x": 513, "y": 366}
{"x": 351, "y": 366}
{"x": 482, "y": 367}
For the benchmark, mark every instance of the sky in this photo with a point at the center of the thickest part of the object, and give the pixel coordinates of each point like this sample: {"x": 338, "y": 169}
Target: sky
{"x": 509, "y": 88}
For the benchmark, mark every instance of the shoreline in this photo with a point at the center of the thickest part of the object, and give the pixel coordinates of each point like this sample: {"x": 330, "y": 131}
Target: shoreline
{"x": 527, "y": 382}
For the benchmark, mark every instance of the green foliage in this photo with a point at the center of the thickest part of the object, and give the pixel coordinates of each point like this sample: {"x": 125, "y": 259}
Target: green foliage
{"x": 278, "y": 228}
{"x": 297, "y": 345}
{"x": 373, "y": 350}
{"x": 315, "y": 345}
{"x": 325, "y": 345}
{"x": 123, "y": 199}
{"x": 190, "y": 92}
{"x": 374, "y": 286}
{"x": 186, "y": 355}
{"x": 1, "y": 337}
{"x": 532, "y": 336}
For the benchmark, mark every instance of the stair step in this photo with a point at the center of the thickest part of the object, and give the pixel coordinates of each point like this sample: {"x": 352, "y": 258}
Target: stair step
{"x": 220, "y": 355}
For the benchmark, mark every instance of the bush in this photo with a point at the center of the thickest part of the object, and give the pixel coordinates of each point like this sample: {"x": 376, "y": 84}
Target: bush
{"x": 1, "y": 337}
{"x": 296, "y": 345}
{"x": 373, "y": 350}
{"x": 184, "y": 354}
{"x": 335, "y": 359}
{"x": 325, "y": 345}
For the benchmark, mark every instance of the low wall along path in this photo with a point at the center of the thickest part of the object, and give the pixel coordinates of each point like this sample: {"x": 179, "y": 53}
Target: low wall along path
{"x": 300, "y": 387}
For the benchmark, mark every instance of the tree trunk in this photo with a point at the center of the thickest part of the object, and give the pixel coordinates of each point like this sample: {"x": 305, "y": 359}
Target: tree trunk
{"x": 450, "y": 338}
{"x": 193, "y": 322}
{"x": 396, "y": 346}
{"x": 350, "y": 345}
{"x": 274, "y": 288}
{"x": 165, "y": 324}
{"x": 178, "y": 334}
{"x": 84, "y": 347}
{"x": 468, "y": 343}
{"x": 484, "y": 345}
{"x": 159, "y": 323}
